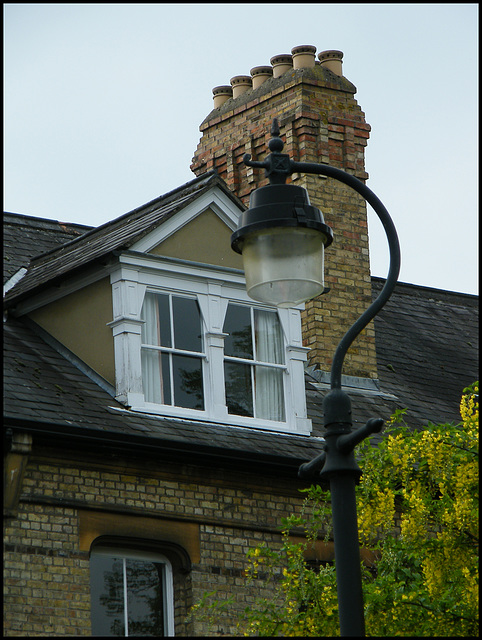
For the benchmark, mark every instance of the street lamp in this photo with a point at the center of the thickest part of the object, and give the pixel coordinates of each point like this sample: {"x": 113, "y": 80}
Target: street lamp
{"x": 282, "y": 238}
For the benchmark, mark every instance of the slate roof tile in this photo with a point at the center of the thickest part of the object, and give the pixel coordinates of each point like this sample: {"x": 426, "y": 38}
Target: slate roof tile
{"x": 427, "y": 344}
{"x": 25, "y": 237}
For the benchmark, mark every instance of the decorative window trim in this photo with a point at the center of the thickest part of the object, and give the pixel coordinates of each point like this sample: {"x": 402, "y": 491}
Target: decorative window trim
{"x": 214, "y": 288}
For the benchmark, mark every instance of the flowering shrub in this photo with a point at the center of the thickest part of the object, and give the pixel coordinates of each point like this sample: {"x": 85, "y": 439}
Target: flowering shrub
{"x": 417, "y": 512}
{"x": 418, "y": 507}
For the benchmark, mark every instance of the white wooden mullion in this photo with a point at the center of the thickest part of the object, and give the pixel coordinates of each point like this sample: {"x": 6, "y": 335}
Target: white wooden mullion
{"x": 179, "y": 352}
{"x": 124, "y": 574}
{"x": 257, "y": 363}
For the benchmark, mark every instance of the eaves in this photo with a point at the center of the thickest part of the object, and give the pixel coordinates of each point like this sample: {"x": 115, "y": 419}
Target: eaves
{"x": 62, "y": 435}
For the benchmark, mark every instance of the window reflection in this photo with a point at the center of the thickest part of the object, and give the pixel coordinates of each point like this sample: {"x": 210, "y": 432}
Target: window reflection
{"x": 254, "y": 389}
{"x": 188, "y": 382}
{"x": 126, "y": 596}
{"x": 172, "y": 326}
{"x": 187, "y": 324}
{"x": 237, "y": 325}
{"x": 239, "y": 395}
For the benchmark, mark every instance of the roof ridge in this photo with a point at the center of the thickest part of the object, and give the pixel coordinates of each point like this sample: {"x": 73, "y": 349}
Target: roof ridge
{"x": 402, "y": 287}
{"x": 19, "y": 217}
{"x": 138, "y": 210}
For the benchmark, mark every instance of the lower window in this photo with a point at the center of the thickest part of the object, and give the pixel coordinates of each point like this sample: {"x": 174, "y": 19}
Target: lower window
{"x": 131, "y": 593}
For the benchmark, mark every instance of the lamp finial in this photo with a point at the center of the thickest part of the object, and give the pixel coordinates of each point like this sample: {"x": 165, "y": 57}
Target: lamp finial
{"x": 275, "y": 144}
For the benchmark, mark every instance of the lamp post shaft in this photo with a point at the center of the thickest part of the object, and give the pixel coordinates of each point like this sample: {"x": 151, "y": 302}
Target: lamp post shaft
{"x": 347, "y": 556}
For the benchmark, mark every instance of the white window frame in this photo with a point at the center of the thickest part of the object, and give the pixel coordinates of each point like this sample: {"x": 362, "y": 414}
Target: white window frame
{"x": 214, "y": 287}
{"x": 127, "y": 553}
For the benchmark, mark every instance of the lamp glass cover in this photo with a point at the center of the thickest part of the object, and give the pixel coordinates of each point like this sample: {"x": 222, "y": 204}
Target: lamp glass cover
{"x": 284, "y": 265}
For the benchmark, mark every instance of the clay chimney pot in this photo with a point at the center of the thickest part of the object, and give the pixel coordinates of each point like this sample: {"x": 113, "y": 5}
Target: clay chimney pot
{"x": 303, "y": 56}
{"x": 332, "y": 60}
{"x": 260, "y": 75}
{"x": 240, "y": 84}
{"x": 281, "y": 64}
{"x": 221, "y": 94}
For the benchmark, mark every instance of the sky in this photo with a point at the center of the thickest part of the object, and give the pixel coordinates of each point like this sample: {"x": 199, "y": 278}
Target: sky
{"x": 103, "y": 102}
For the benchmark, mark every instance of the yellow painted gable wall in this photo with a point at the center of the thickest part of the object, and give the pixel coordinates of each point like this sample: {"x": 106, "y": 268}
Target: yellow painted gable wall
{"x": 79, "y": 321}
{"x": 205, "y": 239}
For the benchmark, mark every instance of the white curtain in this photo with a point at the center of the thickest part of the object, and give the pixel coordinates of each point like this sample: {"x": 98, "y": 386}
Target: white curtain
{"x": 151, "y": 360}
{"x": 269, "y": 381}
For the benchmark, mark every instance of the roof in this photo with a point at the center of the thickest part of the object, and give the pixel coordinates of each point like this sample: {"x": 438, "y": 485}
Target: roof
{"x": 426, "y": 342}
{"x": 25, "y": 237}
{"x": 118, "y": 234}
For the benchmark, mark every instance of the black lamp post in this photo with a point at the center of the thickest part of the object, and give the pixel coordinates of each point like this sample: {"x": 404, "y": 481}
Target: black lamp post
{"x": 282, "y": 238}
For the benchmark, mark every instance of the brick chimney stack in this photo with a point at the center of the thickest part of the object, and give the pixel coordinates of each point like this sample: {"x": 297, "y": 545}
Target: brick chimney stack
{"x": 320, "y": 121}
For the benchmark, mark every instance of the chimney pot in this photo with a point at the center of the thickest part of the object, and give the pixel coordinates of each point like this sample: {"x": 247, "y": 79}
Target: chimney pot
{"x": 240, "y": 84}
{"x": 221, "y": 94}
{"x": 304, "y": 56}
{"x": 332, "y": 60}
{"x": 281, "y": 63}
{"x": 260, "y": 75}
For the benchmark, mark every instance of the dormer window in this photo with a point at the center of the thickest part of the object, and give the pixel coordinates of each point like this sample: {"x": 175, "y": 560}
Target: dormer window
{"x": 174, "y": 362}
{"x": 190, "y": 344}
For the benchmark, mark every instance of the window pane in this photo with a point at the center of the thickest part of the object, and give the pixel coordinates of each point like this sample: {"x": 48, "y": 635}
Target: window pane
{"x": 144, "y": 598}
{"x": 239, "y": 395}
{"x": 156, "y": 329}
{"x": 188, "y": 382}
{"x": 268, "y": 336}
{"x": 237, "y": 324}
{"x": 115, "y": 581}
{"x": 270, "y": 404}
{"x": 107, "y": 596}
{"x": 187, "y": 324}
{"x": 156, "y": 382}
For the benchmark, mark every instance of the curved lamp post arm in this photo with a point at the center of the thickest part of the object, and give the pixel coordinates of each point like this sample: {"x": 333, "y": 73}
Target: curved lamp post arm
{"x": 394, "y": 248}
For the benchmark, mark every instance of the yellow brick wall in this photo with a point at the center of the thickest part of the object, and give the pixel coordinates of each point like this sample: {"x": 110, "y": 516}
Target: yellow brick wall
{"x": 46, "y": 561}
{"x": 46, "y": 577}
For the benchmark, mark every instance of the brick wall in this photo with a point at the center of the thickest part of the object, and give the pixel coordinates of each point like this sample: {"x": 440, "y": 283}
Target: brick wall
{"x": 215, "y": 514}
{"x": 320, "y": 121}
{"x": 46, "y": 577}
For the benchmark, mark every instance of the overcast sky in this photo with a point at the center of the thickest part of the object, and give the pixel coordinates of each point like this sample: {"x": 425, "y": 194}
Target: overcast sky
{"x": 103, "y": 104}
